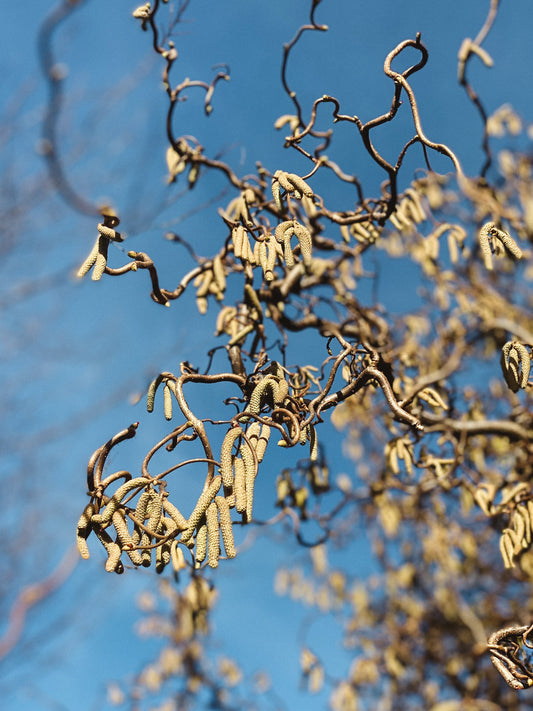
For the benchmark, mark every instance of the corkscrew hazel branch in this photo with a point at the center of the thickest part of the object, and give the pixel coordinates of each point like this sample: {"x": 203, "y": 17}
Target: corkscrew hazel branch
{"x": 503, "y": 648}
{"x": 97, "y": 460}
{"x": 368, "y": 374}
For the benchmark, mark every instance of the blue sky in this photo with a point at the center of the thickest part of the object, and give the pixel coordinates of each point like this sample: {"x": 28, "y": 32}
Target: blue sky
{"x": 74, "y": 354}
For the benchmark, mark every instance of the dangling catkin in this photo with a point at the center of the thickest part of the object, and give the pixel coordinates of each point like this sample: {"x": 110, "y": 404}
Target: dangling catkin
{"x": 226, "y": 526}
{"x": 213, "y": 535}
{"x": 226, "y": 466}
{"x": 201, "y": 507}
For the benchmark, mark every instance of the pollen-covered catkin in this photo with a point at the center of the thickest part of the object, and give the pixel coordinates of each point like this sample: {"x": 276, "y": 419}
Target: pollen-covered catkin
{"x": 240, "y": 486}
{"x": 237, "y": 237}
{"x": 113, "y": 563}
{"x": 124, "y": 538}
{"x": 262, "y": 443}
{"x": 150, "y": 397}
{"x": 88, "y": 263}
{"x": 226, "y": 465}
{"x": 175, "y": 514}
{"x": 304, "y": 239}
{"x": 177, "y": 557}
{"x": 219, "y": 273}
{"x": 486, "y": 250}
{"x": 100, "y": 262}
{"x": 313, "y": 444}
{"x": 213, "y": 535}
{"x": 510, "y": 244}
{"x": 250, "y": 472}
{"x": 226, "y": 526}
{"x": 167, "y": 402}
{"x": 201, "y": 507}
{"x": 105, "y": 517}
{"x": 201, "y": 544}
{"x": 506, "y": 550}
{"x": 267, "y": 386}
{"x": 299, "y": 185}
{"x": 253, "y": 431}
{"x": 83, "y": 530}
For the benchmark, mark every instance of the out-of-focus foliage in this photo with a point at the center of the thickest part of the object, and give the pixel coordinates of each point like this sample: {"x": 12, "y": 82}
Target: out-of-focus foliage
{"x": 435, "y": 403}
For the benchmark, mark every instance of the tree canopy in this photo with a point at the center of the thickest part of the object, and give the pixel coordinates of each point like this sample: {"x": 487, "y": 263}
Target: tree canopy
{"x": 386, "y": 297}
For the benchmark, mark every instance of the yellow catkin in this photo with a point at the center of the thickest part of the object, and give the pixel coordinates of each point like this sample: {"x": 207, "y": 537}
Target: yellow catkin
{"x": 306, "y": 243}
{"x": 175, "y": 514}
{"x": 260, "y": 253}
{"x": 113, "y": 557}
{"x": 262, "y": 443}
{"x": 237, "y": 237}
{"x": 113, "y": 563}
{"x": 313, "y": 444}
{"x": 247, "y": 252}
{"x": 226, "y": 466}
{"x": 253, "y": 432}
{"x": 142, "y": 505}
{"x": 250, "y": 472}
{"x": 525, "y": 364}
{"x": 271, "y": 258}
{"x": 100, "y": 262}
{"x": 201, "y": 507}
{"x": 124, "y": 538}
{"x": 162, "y": 557}
{"x": 417, "y": 210}
{"x": 284, "y": 181}
{"x": 105, "y": 517}
{"x": 300, "y": 185}
{"x": 276, "y": 193}
{"x": 150, "y": 397}
{"x": 484, "y": 243}
{"x": 240, "y": 486}
{"x": 251, "y": 298}
{"x": 510, "y": 367}
{"x": 283, "y": 234}
{"x": 529, "y": 504}
{"x": 88, "y": 263}
{"x": 219, "y": 273}
{"x": 226, "y": 526}
{"x": 509, "y": 244}
{"x": 83, "y": 530}
{"x": 154, "y": 511}
{"x": 177, "y": 557}
{"x": 203, "y": 288}
{"x": 522, "y": 511}
{"x": 213, "y": 535}
{"x": 519, "y": 527}
{"x": 201, "y": 544}
{"x": 267, "y": 386}
{"x": 167, "y": 402}
{"x": 282, "y": 391}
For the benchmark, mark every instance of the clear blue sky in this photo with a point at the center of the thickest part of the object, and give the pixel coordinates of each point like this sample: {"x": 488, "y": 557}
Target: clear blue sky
{"x": 73, "y": 353}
